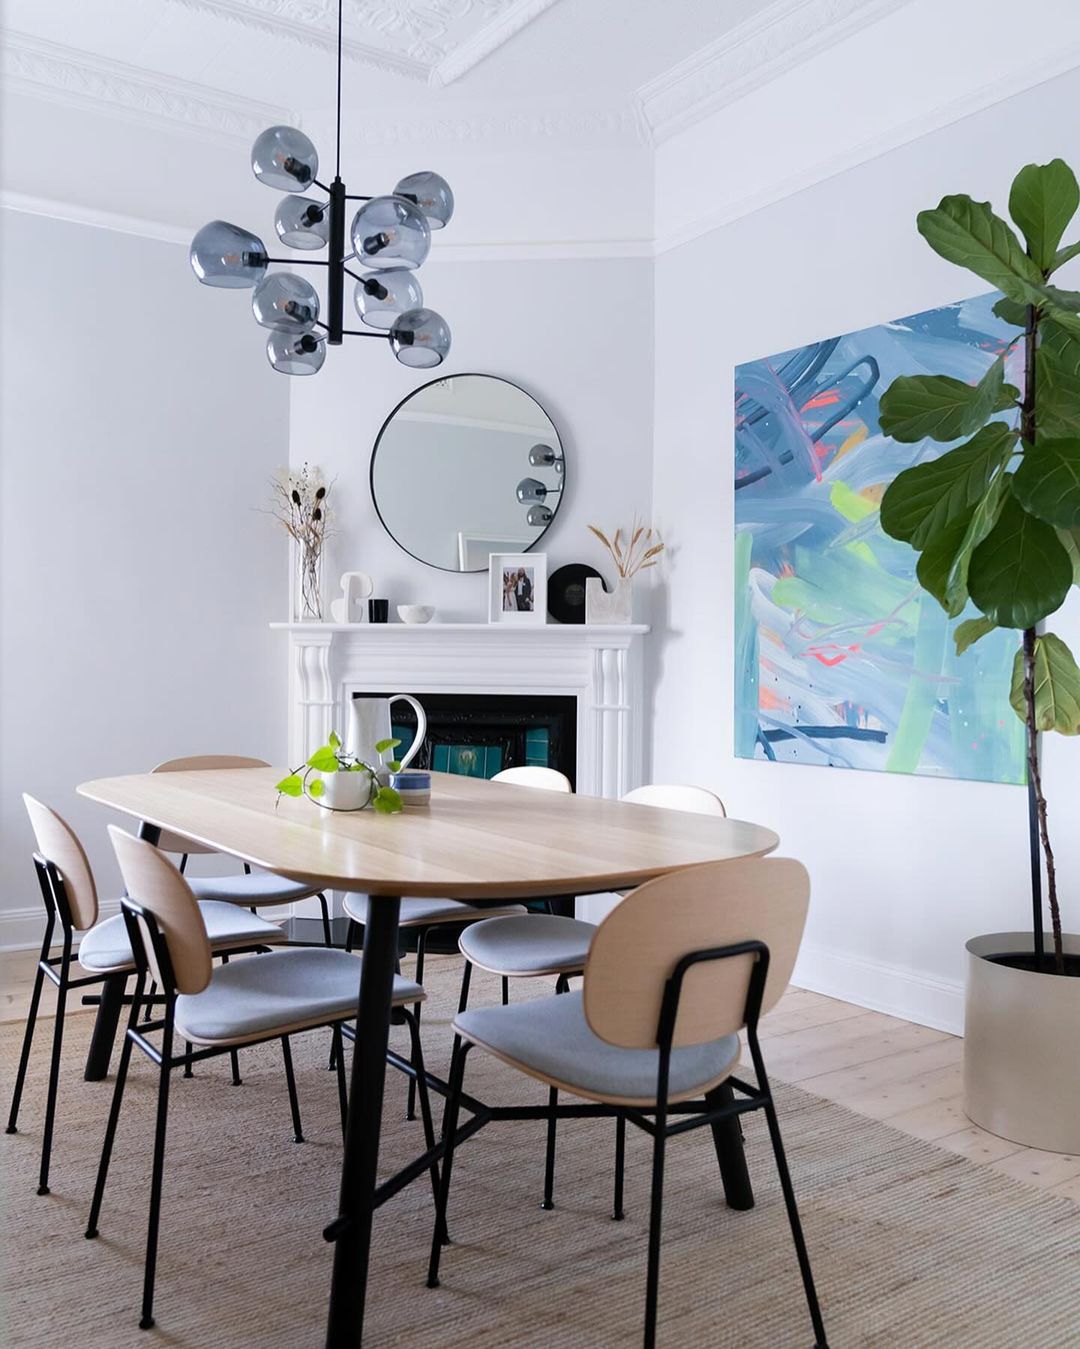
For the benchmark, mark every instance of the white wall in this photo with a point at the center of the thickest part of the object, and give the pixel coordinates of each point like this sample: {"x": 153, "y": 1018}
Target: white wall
{"x": 576, "y": 334}
{"x": 140, "y": 423}
{"x": 904, "y": 869}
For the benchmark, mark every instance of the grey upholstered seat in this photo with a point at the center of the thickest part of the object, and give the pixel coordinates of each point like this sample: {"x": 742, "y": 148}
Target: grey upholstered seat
{"x": 256, "y": 887}
{"x": 106, "y": 947}
{"x": 549, "y": 1038}
{"x": 422, "y": 912}
{"x": 277, "y": 994}
{"x": 535, "y": 943}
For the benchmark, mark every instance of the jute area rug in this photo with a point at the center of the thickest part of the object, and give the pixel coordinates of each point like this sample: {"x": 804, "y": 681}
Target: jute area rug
{"x": 912, "y": 1245}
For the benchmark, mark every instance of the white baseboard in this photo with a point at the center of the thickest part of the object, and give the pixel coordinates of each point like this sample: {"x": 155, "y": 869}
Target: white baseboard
{"x": 23, "y": 929}
{"x": 882, "y": 987}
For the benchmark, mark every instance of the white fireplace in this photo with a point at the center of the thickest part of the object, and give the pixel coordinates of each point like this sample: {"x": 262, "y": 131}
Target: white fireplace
{"x": 600, "y": 667}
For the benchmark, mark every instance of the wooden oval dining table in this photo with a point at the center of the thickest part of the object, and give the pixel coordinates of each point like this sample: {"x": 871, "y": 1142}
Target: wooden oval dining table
{"x": 477, "y": 841}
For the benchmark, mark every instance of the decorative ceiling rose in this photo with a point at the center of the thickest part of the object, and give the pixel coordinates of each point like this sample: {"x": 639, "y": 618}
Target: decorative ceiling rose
{"x": 389, "y": 236}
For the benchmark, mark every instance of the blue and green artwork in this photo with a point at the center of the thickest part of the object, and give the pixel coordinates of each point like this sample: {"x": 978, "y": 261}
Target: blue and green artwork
{"x": 841, "y": 658}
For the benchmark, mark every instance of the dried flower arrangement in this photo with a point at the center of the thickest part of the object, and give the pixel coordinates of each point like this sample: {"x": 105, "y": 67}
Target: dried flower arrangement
{"x": 642, "y": 549}
{"x": 299, "y": 501}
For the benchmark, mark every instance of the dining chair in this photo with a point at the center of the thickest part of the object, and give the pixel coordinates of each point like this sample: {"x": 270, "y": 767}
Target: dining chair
{"x": 70, "y": 897}
{"x": 260, "y": 889}
{"x": 422, "y": 916}
{"x": 221, "y": 1009}
{"x": 674, "y": 973}
{"x": 536, "y": 945}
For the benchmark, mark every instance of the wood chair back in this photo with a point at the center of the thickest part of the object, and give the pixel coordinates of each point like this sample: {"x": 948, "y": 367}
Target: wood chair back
{"x": 696, "y": 800}
{"x": 718, "y": 904}
{"x": 154, "y": 883}
{"x": 170, "y": 842}
{"x": 58, "y": 843}
{"x": 533, "y": 775}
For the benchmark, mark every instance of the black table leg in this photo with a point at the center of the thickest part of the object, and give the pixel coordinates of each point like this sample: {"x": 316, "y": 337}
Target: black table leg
{"x": 352, "y": 1229}
{"x": 104, "y": 1037}
{"x": 108, "y": 1012}
{"x": 727, "y": 1137}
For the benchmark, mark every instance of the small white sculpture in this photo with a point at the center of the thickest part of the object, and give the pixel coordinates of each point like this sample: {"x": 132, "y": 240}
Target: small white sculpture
{"x": 356, "y": 586}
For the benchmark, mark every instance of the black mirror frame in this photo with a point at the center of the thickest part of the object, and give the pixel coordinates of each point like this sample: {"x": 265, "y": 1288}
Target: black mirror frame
{"x": 461, "y": 374}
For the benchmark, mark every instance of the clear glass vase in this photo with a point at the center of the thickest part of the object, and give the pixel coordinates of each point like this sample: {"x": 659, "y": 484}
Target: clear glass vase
{"x": 307, "y": 601}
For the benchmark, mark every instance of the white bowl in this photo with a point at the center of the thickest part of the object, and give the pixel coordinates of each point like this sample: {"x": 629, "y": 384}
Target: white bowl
{"x": 416, "y": 613}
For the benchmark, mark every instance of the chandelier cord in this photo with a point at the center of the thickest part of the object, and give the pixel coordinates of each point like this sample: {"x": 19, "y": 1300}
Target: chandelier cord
{"x": 337, "y": 167}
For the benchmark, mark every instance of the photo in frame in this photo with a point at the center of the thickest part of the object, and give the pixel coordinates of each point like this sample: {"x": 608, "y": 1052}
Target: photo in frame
{"x": 517, "y": 588}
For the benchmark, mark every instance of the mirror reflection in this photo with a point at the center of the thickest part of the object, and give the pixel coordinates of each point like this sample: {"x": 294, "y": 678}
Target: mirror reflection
{"x": 466, "y": 466}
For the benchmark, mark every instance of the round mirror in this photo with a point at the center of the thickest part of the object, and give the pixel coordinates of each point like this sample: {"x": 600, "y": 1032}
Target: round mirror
{"x": 466, "y": 466}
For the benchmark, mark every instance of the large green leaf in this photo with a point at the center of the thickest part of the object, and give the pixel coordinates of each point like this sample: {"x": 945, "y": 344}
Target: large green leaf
{"x": 324, "y": 760}
{"x": 1070, "y": 541}
{"x": 1012, "y": 312}
{"x": 983, "y": 519}
{"x": 971, "y": 631}
{"x": 1021, "y": 571}
{"x": 1057, "y": 381}
{"x": 969, "y": 233}
{"x": 921, "y": 500}
{"x": 1064, "y": 255}
{"x": 1047, "y": 483}
{"x": 916, "y": 406}
{"x": 1057, "y": 686}
{"x": 1043, "y": 200}
{"x": 938, "y": 558}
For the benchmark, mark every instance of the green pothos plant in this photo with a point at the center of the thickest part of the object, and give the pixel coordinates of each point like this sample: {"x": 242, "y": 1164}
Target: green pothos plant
{"x": 332, "y": 758}
{"x": 996, "y": 519}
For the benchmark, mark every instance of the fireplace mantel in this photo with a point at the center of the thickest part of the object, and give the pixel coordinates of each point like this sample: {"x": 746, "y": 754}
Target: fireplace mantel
{"x": 600, "y": 666}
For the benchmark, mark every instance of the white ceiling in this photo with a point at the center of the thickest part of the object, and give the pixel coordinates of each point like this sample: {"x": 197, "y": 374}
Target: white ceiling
{"x": 419, "y": 54}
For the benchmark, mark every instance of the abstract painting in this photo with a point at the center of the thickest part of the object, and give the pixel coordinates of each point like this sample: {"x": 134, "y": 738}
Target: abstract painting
{"x": 841, "y": 658}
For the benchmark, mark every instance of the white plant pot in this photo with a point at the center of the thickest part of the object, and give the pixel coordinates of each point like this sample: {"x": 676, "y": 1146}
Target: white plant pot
{"x": 1021, "y": 1032}
{"x": 615, "y": 606}
{"x": 345, "y": 791}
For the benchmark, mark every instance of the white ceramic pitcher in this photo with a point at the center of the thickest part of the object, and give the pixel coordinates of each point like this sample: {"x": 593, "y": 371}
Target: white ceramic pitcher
{"x": 369, "y": 723}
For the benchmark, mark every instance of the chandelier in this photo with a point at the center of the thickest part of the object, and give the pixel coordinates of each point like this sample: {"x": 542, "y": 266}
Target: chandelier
{"x": 389, "y": 236}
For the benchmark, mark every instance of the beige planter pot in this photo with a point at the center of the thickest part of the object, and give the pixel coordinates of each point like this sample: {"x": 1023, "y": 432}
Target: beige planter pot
{"x": 1022, "y": 1047}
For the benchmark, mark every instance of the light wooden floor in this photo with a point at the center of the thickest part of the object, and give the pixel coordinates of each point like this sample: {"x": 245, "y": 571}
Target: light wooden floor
{"x": 906, "y": 1075}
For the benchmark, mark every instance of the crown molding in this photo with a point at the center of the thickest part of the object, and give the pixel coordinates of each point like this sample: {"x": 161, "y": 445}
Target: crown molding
{"x": 1064, "y": 59}
{"x": 784, "y": 35}
{"x": 426, "y": 51}
{"x": 526, "y": 250}
{"x": 76, "y": 79}
{"x": 492, "y": 36}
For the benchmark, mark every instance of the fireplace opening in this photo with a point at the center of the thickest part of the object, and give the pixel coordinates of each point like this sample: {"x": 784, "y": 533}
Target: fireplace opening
{"x": 480, "y": 734}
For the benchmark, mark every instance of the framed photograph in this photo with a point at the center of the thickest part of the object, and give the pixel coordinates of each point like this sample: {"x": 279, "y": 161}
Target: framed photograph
{"x": 517, "y": 588}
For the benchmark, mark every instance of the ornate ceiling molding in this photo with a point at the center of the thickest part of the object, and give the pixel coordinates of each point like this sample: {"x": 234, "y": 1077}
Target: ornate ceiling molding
{"x": 782, "y": 36}
{"x": 435, "y": 41}
{"x": 82, "y": 81}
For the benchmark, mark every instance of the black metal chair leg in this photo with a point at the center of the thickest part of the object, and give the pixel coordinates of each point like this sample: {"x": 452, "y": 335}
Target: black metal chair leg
{"x": 290, "y": 1079}
{"x": 548, "y": 1201}
{"x": 114, "y": 1115}
{"x": 350, "y": 934}
{"x": 337, "y": 1054}
{"x": 421, "y": 949}
{"x": 28, "y": 1040}
{"x": 820, "y": 1341}
{"x": 450, "y": 1119}
{"x": 505, "y": 990}
{"x": 147, "y": 1319}
{"x": 413, "y": 1022}
{"x": 54, "y": 1068}
{"x": 327, "y": 935}
{"x": 620, "y": 1166}
{"x": 187, "y": 1066}
{"x": 656, "y": 1209}
{"x": 234, "y": 1059}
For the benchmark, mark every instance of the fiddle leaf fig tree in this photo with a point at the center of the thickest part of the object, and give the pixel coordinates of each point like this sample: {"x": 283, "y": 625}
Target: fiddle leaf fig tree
{"x": 996, "y": 518}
